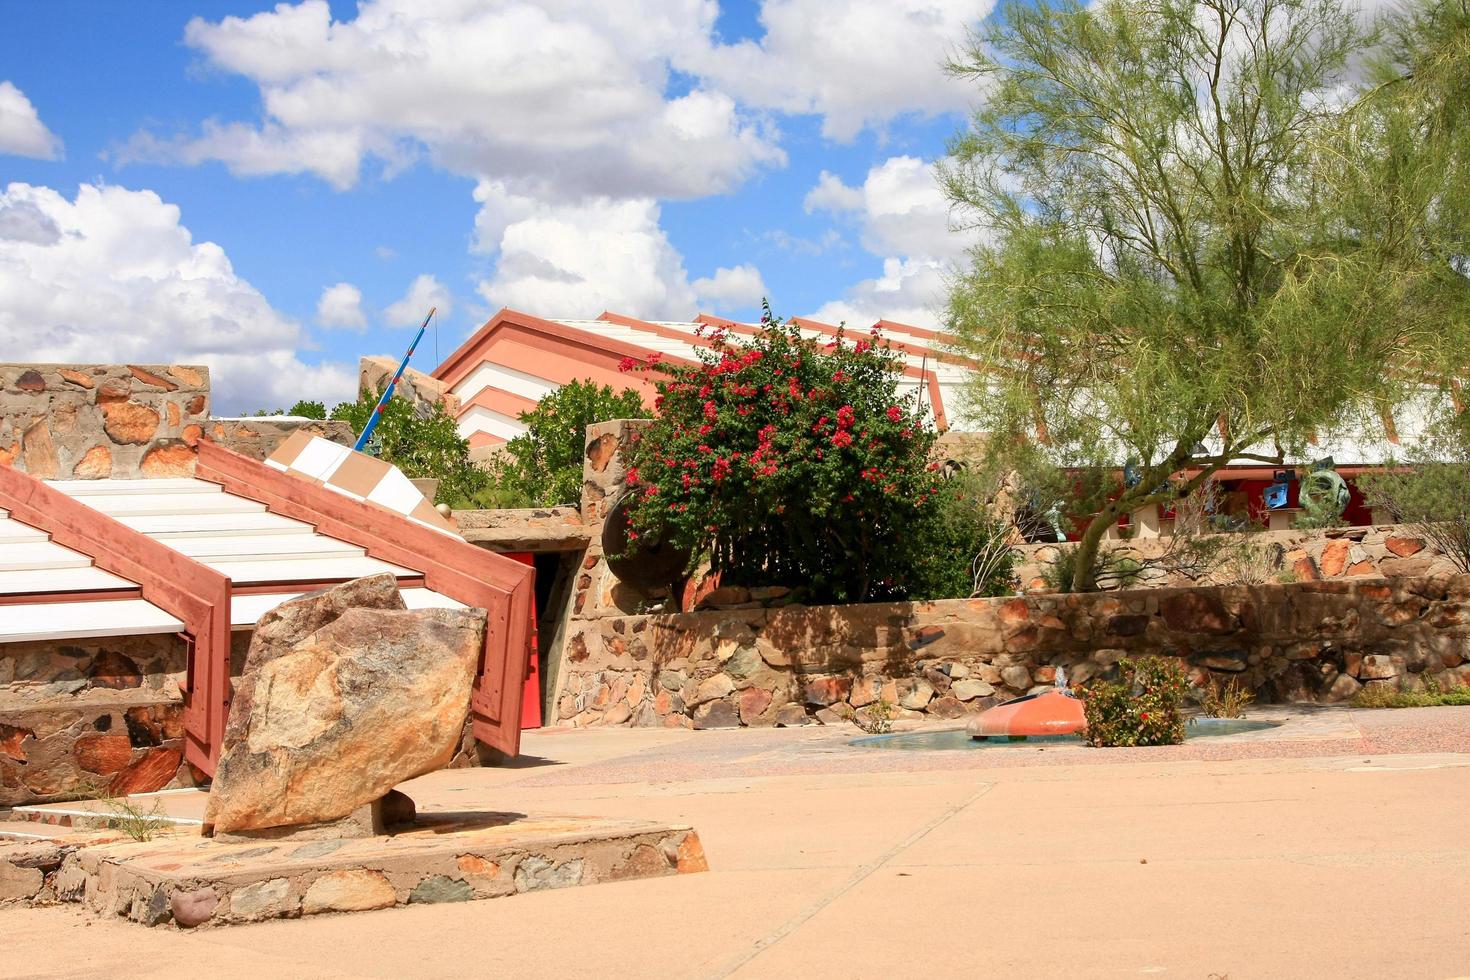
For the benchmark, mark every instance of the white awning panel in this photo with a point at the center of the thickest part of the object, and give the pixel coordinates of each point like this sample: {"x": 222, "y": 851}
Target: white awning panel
{"x": 78, "y": 620}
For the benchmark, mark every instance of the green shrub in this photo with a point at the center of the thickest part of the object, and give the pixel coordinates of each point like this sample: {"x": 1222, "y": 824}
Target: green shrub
{"x": 1110, "y": 569}
{"x": 543, "y": 465}
{"x": 1140, "y": 707}
{"x": 1228, "y": 700}
{"x": 1375, "y": 696}
{"x": 784, "y": 460}
{"x": 956, "y": 549}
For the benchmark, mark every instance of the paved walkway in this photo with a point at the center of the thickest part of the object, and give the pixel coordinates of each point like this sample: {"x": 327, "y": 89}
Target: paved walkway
{"x": 1334, "y": 846}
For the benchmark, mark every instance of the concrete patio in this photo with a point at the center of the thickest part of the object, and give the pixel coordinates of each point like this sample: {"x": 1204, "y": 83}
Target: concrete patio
{"x": 1327, "y": 848}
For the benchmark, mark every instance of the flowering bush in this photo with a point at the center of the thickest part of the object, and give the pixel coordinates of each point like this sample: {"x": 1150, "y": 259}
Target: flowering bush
{"x": 1141, "y": 707}
{"x": 785, "y": 460}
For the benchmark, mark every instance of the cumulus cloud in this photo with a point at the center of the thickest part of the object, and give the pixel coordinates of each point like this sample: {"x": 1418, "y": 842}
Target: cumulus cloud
{"x": 424, "y": 292}
{"x": 341, "y": 307}
{"x": 577, "y": 259}
{"x": 858, "y": 64}
{"x": 902, "y": 216}
{"x": 732, "y": 289}
{"x": 122, "y": 280}
{"x": 570, "y": 98}
{"x": 21, "y": 131}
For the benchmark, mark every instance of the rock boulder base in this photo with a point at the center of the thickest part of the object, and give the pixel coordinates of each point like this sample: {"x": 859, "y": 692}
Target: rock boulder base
{"x": 344, "y": 695}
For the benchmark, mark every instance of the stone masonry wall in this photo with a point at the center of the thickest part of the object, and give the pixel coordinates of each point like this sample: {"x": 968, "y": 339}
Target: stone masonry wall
{"x": 61, "y": 421}
{"x": 754, "y": 661}
{"x": 124, "y": 421}
{"x": 1312, "y": 641}
{"x": 86, "y": 718}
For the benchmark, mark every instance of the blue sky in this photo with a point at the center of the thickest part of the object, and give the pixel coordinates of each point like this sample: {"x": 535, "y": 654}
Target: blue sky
{"x": 655, "y": 157}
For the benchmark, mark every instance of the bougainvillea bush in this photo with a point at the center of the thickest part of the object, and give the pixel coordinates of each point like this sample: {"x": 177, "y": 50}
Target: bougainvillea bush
{"x": 1140, "y": 707}
{"x": 784, "y": 460}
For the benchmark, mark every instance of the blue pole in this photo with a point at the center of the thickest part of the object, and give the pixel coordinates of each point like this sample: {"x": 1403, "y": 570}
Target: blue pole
{"x": 388, "y": 393}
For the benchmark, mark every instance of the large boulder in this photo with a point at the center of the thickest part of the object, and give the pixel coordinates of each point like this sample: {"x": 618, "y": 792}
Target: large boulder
{"x": 344, "y": 695}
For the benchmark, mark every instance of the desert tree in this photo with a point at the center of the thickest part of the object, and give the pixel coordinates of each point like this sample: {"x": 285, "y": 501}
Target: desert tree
{"x": 1187, "y": 258}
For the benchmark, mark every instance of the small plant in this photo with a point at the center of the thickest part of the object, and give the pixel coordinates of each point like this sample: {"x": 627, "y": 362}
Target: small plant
{"x": 132, "y": 820}
{"x": 1375, "y": 696}
{"x": 1140, "y": 707}
{"x": 1228, "y": 700}
{"x": 1112, "y": 569}
{"x": 877, "y": 718}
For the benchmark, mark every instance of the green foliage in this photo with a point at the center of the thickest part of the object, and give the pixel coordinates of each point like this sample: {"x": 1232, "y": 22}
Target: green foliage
{"x": 1110, "y": 568}
{"x": 1190, "y": 253}
{"x": 543, "y": 466}
{"x": 1141, "y": 707}
{"x": 308, "y": 410}
{"x": 1375, "y": 696}
{"x": 787, "y": 461}
{"x": 1432, "y": 493}
{"x": 956, "y": 550}
{"x": 1228, "y": 700}
{"x": 422, "y": 442}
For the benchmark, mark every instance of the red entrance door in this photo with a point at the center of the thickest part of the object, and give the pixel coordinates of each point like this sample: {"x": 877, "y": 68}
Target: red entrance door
{"x": 531, "y": 693}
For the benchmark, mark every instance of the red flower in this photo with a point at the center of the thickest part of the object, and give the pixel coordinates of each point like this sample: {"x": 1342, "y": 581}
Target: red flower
{"x": 710, "y": 412}
{"x": 841, "y": 439}
{"x": 845, "y": 417}
{"x": 894, "y": 413}
{"x": 627, "y": 364}
{"x": 1143, "y": 716}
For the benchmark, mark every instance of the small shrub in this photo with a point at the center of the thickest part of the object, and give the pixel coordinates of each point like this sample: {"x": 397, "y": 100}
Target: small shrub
{"x": 877, "y": 718}
{"x": 543, "y": 465}
{"x": 1111, "y": 569}
{"x": 1375, "y": 696}
{"x": 1228, "y": 700}
{"x": 1140, "y": 707}
{"x": 956, "y": 550}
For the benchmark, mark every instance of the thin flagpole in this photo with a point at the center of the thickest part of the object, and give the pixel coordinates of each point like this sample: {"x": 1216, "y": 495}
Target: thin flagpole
{"x": 388, "y": 393}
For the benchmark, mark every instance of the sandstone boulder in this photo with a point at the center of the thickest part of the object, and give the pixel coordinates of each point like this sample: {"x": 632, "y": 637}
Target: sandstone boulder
{"x": 344, "y": 695}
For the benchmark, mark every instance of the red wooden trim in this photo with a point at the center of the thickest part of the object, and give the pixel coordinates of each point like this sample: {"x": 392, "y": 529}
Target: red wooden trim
{"x": 449, "y": 565}
{"x": 658, "y": 329}
{"x": 180, "y": 586}
{"x": 41, "y": 598}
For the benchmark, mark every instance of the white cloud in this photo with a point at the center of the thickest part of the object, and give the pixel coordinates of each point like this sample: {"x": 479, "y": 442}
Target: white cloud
{"x": 899, "y": 206}
{"x": 121, "y": 280}
{"x": 550, "y": 95}
{"x": 732, "y": 289}
{"x": 575, "y": 260}
{"x": 341, "y": 306}
{"x": 21, "y": 130}
{"x": 858, "y": 64}
{"x": 424, "y": 292}
{"x": 909, "y": 291}
{"x": 903, "y": 217}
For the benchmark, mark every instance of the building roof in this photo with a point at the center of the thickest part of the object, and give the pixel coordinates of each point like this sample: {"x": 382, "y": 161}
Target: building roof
{"x": 515, "y": 359}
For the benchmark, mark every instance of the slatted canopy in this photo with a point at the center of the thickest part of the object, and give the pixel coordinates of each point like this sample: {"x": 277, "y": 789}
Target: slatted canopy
{"x": 207, "y": 555}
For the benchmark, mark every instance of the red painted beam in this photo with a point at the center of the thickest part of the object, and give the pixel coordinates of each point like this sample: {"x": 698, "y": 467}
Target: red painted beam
{"x": 180, "y": 586}
{"x": 449, "y": 565}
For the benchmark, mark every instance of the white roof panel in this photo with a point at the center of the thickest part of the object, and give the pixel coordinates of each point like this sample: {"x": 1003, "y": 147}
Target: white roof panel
{"x": 76, "y": 620}
{"x": 42, "y": 581}
{"x": 246, "y": 610}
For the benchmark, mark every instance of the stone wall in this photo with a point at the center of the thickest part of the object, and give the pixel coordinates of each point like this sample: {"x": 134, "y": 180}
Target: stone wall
{"x": 1312, "y": 641}
{"x": 60, "y": 421}
{"x": 88, "y": 718}
{"x": 124, "y": 421}
{"x": 754, "y": 660}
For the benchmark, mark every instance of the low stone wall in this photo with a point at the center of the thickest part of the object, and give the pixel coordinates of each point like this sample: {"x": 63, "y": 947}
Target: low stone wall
{"x": 524, "y": 529}
{"x": 1312, "y": 641}
{"x": 88, "y": 718}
